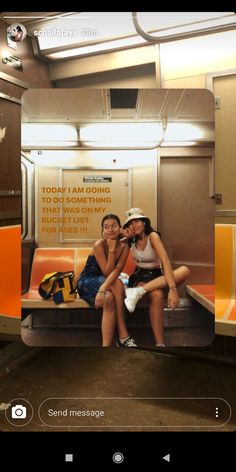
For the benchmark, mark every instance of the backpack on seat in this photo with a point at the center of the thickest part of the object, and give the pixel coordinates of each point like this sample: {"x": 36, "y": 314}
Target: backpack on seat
{"x": 59, "y": 286}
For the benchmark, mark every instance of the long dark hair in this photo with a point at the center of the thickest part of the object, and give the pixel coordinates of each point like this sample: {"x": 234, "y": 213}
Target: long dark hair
{"x": 147, "y": 229}
{"x": 147, "y": 226}
{"x": 112, "y": 217}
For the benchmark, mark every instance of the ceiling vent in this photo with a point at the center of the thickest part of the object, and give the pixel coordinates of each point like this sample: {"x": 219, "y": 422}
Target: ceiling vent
{"x": 123, "y": 98}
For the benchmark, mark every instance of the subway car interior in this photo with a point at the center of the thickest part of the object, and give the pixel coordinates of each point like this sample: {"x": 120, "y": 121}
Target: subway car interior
{"x": 100, "y": 114}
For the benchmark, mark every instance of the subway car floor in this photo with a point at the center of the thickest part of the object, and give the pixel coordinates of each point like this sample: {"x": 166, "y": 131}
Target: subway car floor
{"x": 138, "y": 390}
{"x": 185, "y": 327}
{"x": 44, "y": 337}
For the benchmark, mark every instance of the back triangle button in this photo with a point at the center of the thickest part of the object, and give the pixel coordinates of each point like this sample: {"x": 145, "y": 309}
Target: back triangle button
{"x": 166, "y": 458}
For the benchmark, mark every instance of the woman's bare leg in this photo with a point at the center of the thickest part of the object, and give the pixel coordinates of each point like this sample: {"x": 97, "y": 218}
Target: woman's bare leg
{"x": 117, "y": 288}
{"x": 180, "y": 275}
{"x": 133, "y": 295}
{"x": 108, "y": 320}
{"x": 156, "y": 313}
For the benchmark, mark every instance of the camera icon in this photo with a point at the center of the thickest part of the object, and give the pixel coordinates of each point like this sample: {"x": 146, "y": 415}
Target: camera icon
{"x": 18, "y": 412}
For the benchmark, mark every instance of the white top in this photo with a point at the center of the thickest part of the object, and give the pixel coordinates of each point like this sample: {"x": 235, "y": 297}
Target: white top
{"x": 146, "y": 258}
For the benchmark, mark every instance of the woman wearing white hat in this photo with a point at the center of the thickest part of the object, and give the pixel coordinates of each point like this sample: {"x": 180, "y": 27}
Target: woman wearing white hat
{"x": 153, "y": 271}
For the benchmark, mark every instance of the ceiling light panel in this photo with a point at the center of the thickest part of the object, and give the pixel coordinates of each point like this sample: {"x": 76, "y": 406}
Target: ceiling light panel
{"x": 84, "y": 28}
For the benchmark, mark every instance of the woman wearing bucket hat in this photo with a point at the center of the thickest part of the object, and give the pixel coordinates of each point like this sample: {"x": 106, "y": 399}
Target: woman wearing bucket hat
{"x": 153, "y": 271}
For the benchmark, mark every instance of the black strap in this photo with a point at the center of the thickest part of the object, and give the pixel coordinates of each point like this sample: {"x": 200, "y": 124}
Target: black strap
{"x": 70, "y": 275}
{"x": 60, "y": 275}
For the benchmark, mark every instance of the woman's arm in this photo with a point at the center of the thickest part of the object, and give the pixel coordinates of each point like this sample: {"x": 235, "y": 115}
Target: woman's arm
{"x": 105, "y": 262}
{"x": 100, "y": 297}
{"x": 117, "y": 270}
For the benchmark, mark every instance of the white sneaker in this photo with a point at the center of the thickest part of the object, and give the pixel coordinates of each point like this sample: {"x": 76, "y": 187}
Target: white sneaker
{"x": 133, "y": 295}
{"x": 128, "y": 342}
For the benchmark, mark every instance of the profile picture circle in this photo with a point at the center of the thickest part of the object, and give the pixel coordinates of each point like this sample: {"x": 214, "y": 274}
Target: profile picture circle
{"x": 16, "y": 32}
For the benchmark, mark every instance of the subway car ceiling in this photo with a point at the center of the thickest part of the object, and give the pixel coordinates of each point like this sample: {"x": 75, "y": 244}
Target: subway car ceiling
{"x": 121, "y": 47}
{"x": 116, "y": 118}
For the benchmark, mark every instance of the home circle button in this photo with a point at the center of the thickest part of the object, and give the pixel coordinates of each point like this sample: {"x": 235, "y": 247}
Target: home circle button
{"x": 118, "y": 457}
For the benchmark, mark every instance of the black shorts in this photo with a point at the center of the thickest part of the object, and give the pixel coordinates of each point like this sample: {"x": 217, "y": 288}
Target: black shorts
{"x": 143, "y": 275}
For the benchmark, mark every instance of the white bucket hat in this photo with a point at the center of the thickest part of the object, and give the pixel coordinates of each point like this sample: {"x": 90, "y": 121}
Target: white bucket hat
{"x": 133, "y": 214}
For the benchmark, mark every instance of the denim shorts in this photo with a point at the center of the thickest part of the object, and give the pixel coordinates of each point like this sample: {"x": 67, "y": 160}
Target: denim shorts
{"x": 88, "y": 287}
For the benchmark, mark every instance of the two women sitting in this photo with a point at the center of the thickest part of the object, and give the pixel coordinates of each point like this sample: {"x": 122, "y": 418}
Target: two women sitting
{"x": 99, "y": 282}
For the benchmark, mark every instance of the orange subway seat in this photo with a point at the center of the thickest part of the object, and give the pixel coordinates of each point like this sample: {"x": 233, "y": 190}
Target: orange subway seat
{"x": 204, "y": 294}
{"x": 225, "y": 304}
{"x": 221, "y": 306}
{"x": 232, "y": 315}
{"x": 10, "y": 278}
{"x": 47, "y": 260}
{"x": 223, "y": 268}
